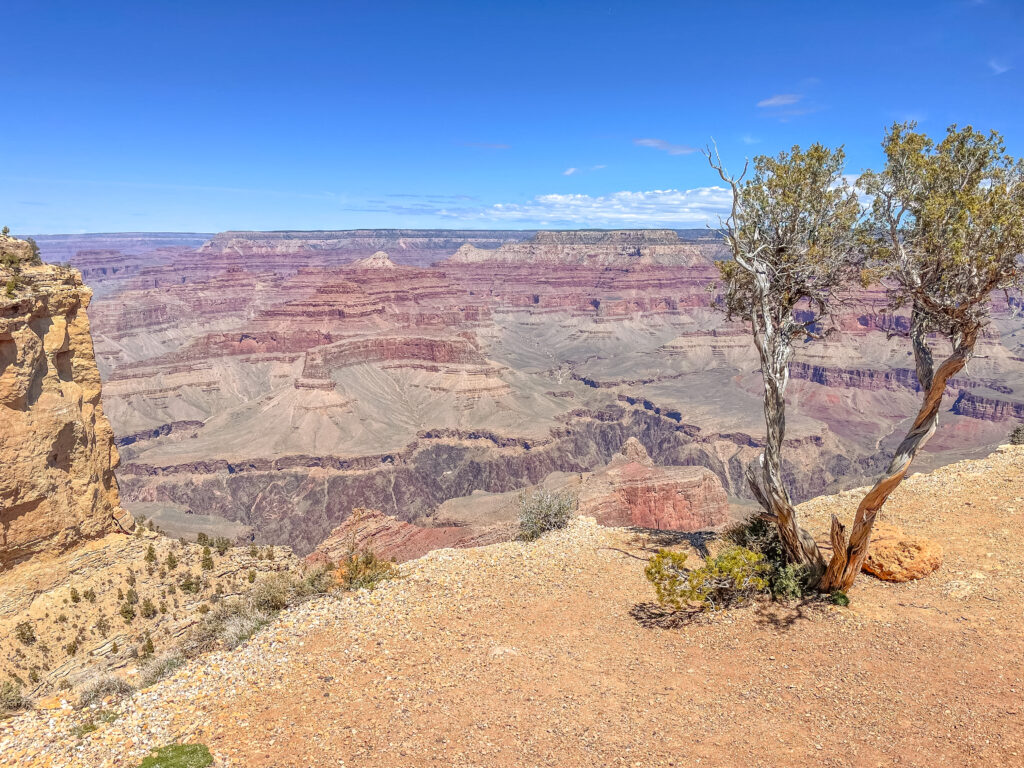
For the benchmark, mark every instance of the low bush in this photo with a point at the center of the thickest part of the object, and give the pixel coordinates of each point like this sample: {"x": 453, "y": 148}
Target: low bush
{"x": 11, "y": 697}
{"x": 25, "y": 632}
{"x": 179, "y": 756}
{"x": 785, "y": 580}
{"x": 158, "y": 668}
{"x": 542, "y": 511}
{"x": 733, "y": 576}
{"x": 362, "y": 570}
{"x": 102, "y": 687}
{"x": 1017, "y": 435}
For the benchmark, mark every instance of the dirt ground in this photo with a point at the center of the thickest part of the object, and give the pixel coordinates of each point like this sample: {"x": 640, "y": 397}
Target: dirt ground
{"x": 552, "y": 654}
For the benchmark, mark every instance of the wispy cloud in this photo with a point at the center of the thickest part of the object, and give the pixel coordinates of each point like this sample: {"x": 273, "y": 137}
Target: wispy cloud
{"x": 575, "y": 171}
{"x": 748, "y": 139}
{"x": 665, "y": 146}
{"x": 665, "y": 207}
{"x": 998, "y": 67}
{"x": 780, "y": 100}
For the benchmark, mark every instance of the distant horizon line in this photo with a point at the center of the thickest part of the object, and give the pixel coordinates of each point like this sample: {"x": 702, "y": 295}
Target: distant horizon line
{"x": 369, "y": 229}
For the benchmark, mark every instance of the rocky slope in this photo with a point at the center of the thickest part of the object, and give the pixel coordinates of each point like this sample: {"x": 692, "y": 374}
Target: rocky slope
{"x": 57, "y": 487}
{"x": 552, "y": 654}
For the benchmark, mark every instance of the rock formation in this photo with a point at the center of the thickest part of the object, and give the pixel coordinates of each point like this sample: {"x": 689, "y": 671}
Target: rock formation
{"x": 896, "y": 556}
{"x": 57, "y": 451}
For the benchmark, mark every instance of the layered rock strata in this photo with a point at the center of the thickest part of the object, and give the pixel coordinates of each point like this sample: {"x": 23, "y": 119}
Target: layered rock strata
{"x": 57, "y": 449}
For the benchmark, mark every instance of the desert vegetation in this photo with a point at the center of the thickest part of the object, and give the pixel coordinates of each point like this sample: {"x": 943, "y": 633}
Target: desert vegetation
{"x": 542, "y": 510}
{"x": 945, "y": 228}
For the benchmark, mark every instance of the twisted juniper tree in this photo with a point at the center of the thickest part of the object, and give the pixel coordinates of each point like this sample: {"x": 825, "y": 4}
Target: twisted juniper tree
{"x": 791, "y": 231}
{"x": 946, "y": 229}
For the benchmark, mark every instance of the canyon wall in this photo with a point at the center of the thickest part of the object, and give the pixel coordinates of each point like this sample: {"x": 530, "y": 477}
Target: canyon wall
{"x": 57, "y": 449}
{"x": 280, "y": 380}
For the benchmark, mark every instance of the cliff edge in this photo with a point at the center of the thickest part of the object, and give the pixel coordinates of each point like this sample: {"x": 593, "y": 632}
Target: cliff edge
{"x": 57, "y": 450}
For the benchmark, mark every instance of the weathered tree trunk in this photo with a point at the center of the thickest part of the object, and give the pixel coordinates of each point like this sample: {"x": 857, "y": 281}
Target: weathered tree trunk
{"x": 847, "y": 560}
{"x": 775, "y": 351}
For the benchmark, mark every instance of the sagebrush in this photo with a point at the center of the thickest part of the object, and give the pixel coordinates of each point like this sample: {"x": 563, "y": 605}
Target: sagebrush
{"x": 542, "y": 511}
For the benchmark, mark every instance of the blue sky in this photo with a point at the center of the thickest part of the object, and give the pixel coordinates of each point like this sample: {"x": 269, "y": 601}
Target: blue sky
{"x": 206, "y": 116}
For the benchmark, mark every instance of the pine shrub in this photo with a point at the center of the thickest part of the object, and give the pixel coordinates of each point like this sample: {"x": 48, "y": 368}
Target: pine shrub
{"x": 732, "y": 577}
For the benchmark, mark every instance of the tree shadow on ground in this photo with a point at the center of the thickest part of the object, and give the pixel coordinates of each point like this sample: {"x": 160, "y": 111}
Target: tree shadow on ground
{"x": 772, "y": 615}
{"x": 785, "y": 615}
{"x": 654, "y": 616}
{"x": 652, "y": 539}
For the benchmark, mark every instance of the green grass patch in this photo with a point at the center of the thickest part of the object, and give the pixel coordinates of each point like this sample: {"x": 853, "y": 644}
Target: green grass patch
{"x": 179, "y": 756}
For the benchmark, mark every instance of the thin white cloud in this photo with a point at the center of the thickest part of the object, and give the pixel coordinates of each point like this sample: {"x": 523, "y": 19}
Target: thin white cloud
{"x": 570, "y": 171}
{"x": 597, "y": 167}
{"x": 998, "y": 67}
{"x": 665, "y": 146}
{"x": 780, "y": 100}
{"x": 665, "y": 207}
{"x": 748, "y": 139}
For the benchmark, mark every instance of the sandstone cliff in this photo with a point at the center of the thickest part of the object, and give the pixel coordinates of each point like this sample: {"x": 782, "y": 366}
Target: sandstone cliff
{"x": 57, "y": 453}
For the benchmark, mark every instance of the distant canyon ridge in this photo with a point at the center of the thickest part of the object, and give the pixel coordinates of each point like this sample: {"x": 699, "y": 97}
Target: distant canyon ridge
{"x": 271, "y": 382}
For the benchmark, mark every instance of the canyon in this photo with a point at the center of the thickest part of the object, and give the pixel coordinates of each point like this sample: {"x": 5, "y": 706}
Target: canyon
{"x": 279, "y": 380}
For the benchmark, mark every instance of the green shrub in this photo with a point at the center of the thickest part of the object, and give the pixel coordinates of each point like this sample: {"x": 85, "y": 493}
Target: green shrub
{"x": 360, "y": 570}
{"x": 221, "y": 544}
{"x": 25, "y": 632}
{"x": 150, "y": 554}
{"x": 202, "y": 538}
{"x": 11, "y": 697}
{"x": 148, "y": 609}
{"x": 75, "y": 597}
{"x": 207, "y": 561}
{"x": 179, "y": 756}
{"x": 1017, "y": 435}
{"x": 785, "y": 580}
{"x": 127, "y": 612}
{"x": 90, "y": 595}
{"x": 191, "y": 584}
{"x": 733, "y": 576}
{"x": 171, "y": 561}
{"x": 104, "y": 687}
{"x": 542, "y": 511}
{"x": 839, "y": 598}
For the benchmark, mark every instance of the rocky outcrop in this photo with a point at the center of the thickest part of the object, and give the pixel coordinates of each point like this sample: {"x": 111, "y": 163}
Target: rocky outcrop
{"x": 897, "y": 556}
{"x": 57, "y": 453}
{"x": 632, "y": 490}
{"x": 394, "y": 539}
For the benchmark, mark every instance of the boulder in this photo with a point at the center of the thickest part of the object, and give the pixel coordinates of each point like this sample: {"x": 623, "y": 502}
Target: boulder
{"x": 895, "y": 555}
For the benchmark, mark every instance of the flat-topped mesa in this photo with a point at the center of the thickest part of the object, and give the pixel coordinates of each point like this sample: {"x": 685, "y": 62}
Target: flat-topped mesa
{"x": 57, "y": 452}
{"x": 594, "y": 248}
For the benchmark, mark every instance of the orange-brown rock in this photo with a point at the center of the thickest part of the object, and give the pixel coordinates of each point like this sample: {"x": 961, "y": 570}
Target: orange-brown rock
{"x": 896, "y": 556}
{"x": 57, "y": 453}
{"x": 632, "y": 490}
{"x": 395, "y": 539}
